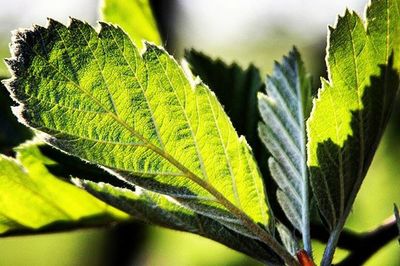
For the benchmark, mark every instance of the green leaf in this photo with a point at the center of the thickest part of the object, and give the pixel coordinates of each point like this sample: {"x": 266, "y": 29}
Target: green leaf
{"x": 135, "y": 17}
{"x": 352, "y": 108}
{"x": 32, "y": 199}
{"x": 287, "y": 238}
{"x": 161, "y": 210}
{"x": 138, "y": 115}
{"x": 284, "y": 110}
{"x": 236, "y": 89}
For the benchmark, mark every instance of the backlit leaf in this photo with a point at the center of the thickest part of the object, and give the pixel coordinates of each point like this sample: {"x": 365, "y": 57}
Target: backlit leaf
{"x": 236, "y": 89}
{"x": 32, "y": 199}
{"x": 134, "y": 16}
{"x": 352, "y": 108}
{"x": 138, "y": 115}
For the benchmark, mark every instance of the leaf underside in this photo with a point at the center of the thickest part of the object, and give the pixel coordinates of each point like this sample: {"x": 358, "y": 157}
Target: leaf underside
{"x": 353, "y": 106}
{"x": 160, "y": 210}
{"x": 138, "y": 115}
{"x": 284, "y": 110}
{"x": 32, "y": 199}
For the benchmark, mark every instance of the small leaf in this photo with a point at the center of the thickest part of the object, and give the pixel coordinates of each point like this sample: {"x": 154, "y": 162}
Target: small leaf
{"x": 32, "y": 199}
{"x": 161, "y": 210}
{"x": 135, "y": 17}
{"x": 287, "y": 238}
{"x": 138, "y": 115}
{"x": 284, "y": 110}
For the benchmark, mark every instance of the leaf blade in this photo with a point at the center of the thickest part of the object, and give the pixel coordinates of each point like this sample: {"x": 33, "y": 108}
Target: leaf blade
{"x": 284, "y": 109}
{"x": 32, "y": 199}
{"x": 159, "y": 210}
{"x": 343, "y": 95}
{"x": 156, "y": 142}
{"x": 352, "y": 109}
{"x": 135, "y": 17}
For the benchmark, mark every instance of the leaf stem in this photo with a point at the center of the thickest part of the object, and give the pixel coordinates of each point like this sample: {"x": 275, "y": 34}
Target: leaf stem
{"x": 361, "y": 245}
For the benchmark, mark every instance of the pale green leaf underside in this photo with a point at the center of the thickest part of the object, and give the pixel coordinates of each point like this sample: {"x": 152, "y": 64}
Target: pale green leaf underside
{"x": 137, "y": 115}
{"x": 284, "y": 110}
{"x": 33, "y": 199}
{"x": 135, "y": 17}
{"x": 288, "y": 239}
{"x": 353, "y": 107}
{"x": 160, "y": 210}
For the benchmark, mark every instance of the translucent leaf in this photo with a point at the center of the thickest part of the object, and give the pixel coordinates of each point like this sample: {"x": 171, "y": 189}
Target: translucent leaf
{"x": 236, "y": 88}
{"x": 32, "y": 199}
{"x": 352, "y": 108}
{"x": 139, "y": 116}
{"x": 134, "y": 16}
{"x": 284, "y": 110}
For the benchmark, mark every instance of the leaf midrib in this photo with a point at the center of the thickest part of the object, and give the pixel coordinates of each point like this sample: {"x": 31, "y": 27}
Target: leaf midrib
{"x": 186, "y": 172}
{"x": 256, "y": 229}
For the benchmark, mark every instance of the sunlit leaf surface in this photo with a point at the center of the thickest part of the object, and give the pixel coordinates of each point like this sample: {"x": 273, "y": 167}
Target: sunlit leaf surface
{"x": 32, "y": 199}
{"x": 135, "y": 17}
{"x": 138, "y": 115}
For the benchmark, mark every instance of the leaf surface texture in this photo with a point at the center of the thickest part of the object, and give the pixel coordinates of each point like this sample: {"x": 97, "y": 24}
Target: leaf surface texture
{"x": 284, "y": 109}
{"x": 138, "y": 115}
{"x": 32, "y": 198}
{"x": 353, "y": 105}
{"x": 135, "y": 17}
{"x": 163, "y": 211}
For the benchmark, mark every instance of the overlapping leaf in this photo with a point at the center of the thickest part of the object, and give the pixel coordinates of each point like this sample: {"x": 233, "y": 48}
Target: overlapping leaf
{"x": 284, "y": 110}
{"x": 135, "y": 17}
{"x": 236, "y": 89}
{"x": 352, "y": 108}
{"x": 161, "y": 210}
{"x": 137, "y": 115}
{"x": 33, "y": 199}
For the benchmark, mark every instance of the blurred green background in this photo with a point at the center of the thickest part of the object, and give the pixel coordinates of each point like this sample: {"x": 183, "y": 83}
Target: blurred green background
{"x": 241, "y": 31}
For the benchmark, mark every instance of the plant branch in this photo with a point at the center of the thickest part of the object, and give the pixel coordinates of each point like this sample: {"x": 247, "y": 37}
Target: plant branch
{"x": 371, "y": 242}
{"x": 361, "y": 246}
